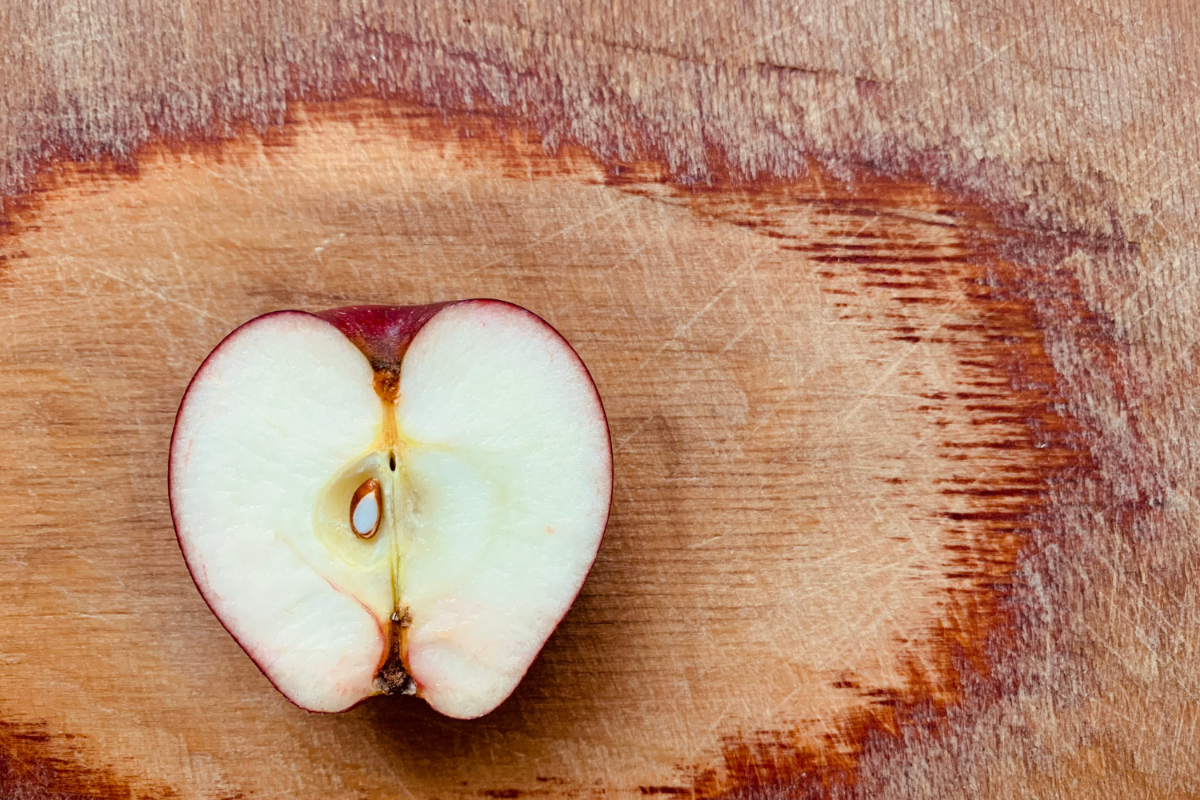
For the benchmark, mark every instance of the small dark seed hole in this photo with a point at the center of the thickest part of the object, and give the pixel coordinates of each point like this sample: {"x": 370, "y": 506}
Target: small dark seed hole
{"x": 392, "y": 461}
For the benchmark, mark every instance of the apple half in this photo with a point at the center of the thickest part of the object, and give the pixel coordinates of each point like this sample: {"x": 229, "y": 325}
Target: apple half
{"x": 392, "y": 499}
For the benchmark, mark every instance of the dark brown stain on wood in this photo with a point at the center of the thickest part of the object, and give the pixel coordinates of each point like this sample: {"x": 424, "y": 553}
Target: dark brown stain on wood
{"x": 36, "y": 764}
{"x": 1035, "y": 454}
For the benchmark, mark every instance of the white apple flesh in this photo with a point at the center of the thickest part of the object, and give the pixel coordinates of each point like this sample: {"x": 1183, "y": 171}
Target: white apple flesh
{"x": 380, "y": 499}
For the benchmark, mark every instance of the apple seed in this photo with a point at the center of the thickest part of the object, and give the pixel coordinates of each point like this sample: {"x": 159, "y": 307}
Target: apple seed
{"x": 364, "y": 509}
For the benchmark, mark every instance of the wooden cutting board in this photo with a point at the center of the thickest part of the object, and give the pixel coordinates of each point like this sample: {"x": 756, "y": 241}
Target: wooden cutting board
{"x": 900, "y": 412}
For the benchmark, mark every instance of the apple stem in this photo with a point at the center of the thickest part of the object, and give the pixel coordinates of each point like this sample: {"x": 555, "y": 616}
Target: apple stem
{"x": 392, "y": 677}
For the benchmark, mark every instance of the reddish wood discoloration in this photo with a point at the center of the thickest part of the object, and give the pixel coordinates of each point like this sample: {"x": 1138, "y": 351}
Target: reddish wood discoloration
{"x": 1034, "y": 457}
{"x": 952, "y": 482}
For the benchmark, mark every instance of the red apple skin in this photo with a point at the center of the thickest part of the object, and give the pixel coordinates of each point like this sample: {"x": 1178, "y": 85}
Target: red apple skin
{"x": 383, "y": 334}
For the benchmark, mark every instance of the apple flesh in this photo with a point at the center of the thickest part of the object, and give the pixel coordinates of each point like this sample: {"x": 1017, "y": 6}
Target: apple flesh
{"x": 392, "y": 499}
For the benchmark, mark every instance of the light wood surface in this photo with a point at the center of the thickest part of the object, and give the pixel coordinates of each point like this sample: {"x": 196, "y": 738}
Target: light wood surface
{"x": 891, "y": 310}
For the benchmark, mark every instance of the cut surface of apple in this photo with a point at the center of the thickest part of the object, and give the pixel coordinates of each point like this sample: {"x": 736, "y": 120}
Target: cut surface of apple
{"x": 392, "y": 499}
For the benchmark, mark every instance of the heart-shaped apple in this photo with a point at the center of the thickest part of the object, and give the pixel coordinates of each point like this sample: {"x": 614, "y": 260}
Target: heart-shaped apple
{"x": 392, "y": 499}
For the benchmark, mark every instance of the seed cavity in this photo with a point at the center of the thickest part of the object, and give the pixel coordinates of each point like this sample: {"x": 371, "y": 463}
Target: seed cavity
{"x": 366, "y": 509}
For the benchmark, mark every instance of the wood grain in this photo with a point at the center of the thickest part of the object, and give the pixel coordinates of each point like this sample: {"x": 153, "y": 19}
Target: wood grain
{"x": 833, "y": 427}
{"x": 890, "y": 308}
